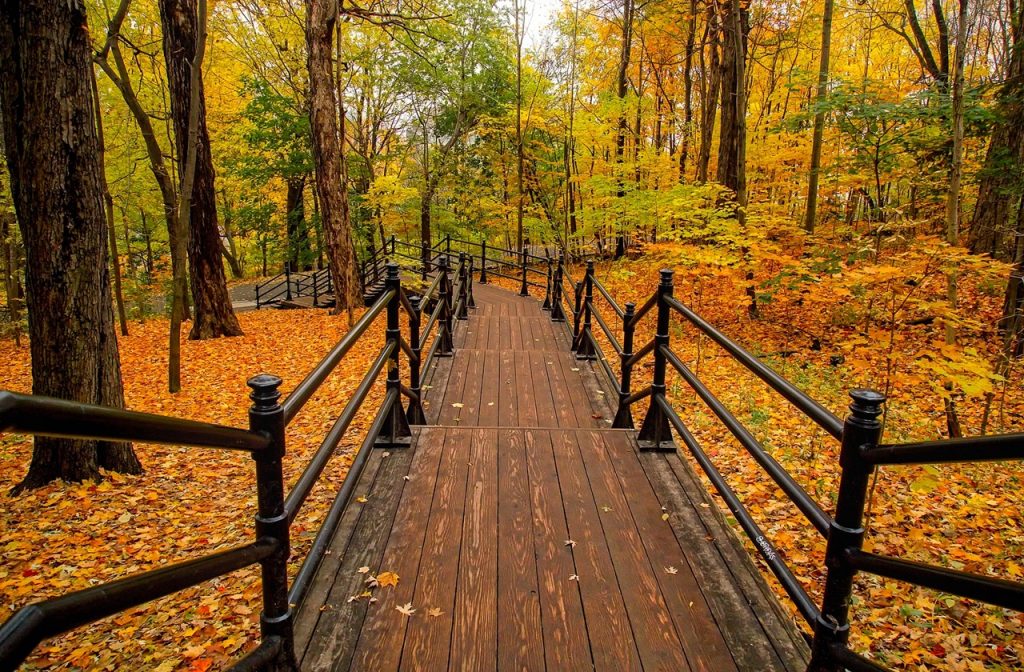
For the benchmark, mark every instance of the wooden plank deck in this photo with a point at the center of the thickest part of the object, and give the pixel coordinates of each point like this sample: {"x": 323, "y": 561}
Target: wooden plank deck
{"x": 527, "y": 535}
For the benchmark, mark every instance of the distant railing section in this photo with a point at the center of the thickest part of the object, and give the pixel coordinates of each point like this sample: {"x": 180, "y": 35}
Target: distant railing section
{"x": 290, "y": 285}
{"x": 860, "y": 452}
{"x": 265, "y": 440}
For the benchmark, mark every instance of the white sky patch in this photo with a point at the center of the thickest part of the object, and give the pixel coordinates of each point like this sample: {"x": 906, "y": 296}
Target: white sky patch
{"x": 538, "y": 14}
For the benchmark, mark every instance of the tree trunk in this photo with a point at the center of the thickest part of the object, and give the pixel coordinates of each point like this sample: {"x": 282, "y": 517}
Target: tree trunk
{"x": 213, "y": 316}
{"x": 733, "y": 132}
{"x": 300, "y": 255}
{"x": 53, "y": 158}
{"x": 819, "y": 119}
{"x": 229, "y": 250}
{"x": 711, "y": 80}
{"x": 331, "y": 175}
{"x": 1001, "y": 177}
{"x": 684, "y": 141}
{"x": 9, "y": 257}
{"x": 621, "y": 83}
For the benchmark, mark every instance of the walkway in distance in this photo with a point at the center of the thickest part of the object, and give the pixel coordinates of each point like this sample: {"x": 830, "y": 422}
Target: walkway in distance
{"x": 529, "y": 536}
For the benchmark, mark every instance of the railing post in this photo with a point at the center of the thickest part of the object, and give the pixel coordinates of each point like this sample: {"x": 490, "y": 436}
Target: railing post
{"x": 547, "y": 290}
{"x": 396, "y": 432}
{"x": 316, "y": 291}
{"x": 463, "y": 313}
{"x": 862, "y": 430}
{"x": 414, "y": 413}
{"x": 266, "y": 416}
{"x": 257, "y": 297}
{"x": 288, "y": 281}
{"x": 445, "y": 347}
{"x": 654, "y": 432}
{"x": 483, "y": 262}
{"x": 577, "y": 313}
{"x": 523, "y": 291}
{"x": 584, "y": 345}
{"x": 469, "y": 279}
{"x": 393, "y": 245}
{"x": 448, "y": 244}
{"x": 557, "y": 314}
{"x": 425, "y": 260}
{"x": 623, "y": 416}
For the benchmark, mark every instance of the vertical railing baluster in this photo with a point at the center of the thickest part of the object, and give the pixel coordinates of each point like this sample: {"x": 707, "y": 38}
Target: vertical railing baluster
{"x": 288, "y": 281}
{"x": 463, "y": 312}
{"x": 624, "y": 416}
{"x": 414, "y": 413}
{"x": 547, "y": 289}
{"x": 316, "y": 291}
{"x": 396, "y": 430}
{"x": 266, "y": 416}
{"x": 471, "y": 300}
{"x": 523, "y": 291}
{"x": 654, "y": 432}
{"x": 584, "y": 345}
{"x": 394, "y": 244}
{"x": 557, "y": 313}
{"x": 444, "y": 296}
{"x": 257, "y": 297}
{"x": 424, "y": 261}
{"x": 483, "y": 262}
{"x": 861, "y": 431}
{"x": 448, "y": 245}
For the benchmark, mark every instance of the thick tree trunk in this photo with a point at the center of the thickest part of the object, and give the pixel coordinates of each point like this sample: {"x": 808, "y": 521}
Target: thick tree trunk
{"x": 1003, "y": 173}
{"x": 621, "y": 83}
{"x": 213, "y": 316}
{"x": 53, "y": 158}
{"x": 331, "y": 176}
{"x": 733, "y": 133}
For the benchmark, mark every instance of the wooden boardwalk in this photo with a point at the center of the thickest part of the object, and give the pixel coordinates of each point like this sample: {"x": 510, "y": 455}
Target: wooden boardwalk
{"x": 527, "y": 535}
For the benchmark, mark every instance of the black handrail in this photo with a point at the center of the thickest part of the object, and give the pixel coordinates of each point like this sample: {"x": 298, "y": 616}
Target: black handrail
{"x": 796, "y": 494}
{"x": 976, "y": 449}
{"x": 33, "y": 623}
{"x": 764, "y": 547}
{"x": 821, "y": 416}
{"x": 46, "y": 416}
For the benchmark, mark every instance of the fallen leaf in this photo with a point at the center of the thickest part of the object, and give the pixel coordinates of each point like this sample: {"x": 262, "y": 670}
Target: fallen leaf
{"x": 406, "y": 609}
{"x": 570, "y": 543}
{"x": 671, "y": 570}
{"x": 363, "y": 570}
{"x": 434, "y": 612}
{"x": 385, "y": 579}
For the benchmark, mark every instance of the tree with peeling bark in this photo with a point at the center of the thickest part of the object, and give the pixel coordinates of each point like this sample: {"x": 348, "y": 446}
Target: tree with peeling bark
{"x": 53, "y": 158}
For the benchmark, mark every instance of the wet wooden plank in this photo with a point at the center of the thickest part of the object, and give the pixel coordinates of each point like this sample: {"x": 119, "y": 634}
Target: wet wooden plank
{"x": 383, "y": 632}
{"x": 701, "y": 637}
{"x": 474, "y": 631}
{"x": 525, "y": 391}
{"x": 611, "y": 638}
{"x": 508, "y": 395}
{"x": 566, "y": 642}
{"x": 543, "y": 390}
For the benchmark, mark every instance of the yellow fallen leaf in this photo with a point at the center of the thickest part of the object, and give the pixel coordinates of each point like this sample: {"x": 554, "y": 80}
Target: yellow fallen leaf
{"x": 385, "y": 579}
{"x": 405, "y": 609}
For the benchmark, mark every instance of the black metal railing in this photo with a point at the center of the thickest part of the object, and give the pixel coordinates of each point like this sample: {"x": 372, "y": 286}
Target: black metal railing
{"x": 265, "y": 440}
{"x": 860, "y": 452}
{"x": 290, "y": 285}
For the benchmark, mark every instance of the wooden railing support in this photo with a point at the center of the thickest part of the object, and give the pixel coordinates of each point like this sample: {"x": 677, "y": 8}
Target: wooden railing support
{"x": 624, "y": 416}
{"x": 483, "y": 262}
{"x": 471, "y": 301}
{"x": 654, "y": 432}
{"x": 557, "y": 313}
{"x": 396, "y": 432}
{"x": 547, "y": 290}
{"x": 266, "y": 416}
{"x": 414, "y": 413}
{"x": 463, "y": 313}
{"x": 584, "y": 344}
{"x": 446, "y": 347}
{"x": 523, "y": 290}
{"x": 862, "y": 431}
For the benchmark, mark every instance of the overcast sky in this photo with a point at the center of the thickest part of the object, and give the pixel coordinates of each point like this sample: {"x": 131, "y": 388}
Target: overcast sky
{"x": 538, "y": 14}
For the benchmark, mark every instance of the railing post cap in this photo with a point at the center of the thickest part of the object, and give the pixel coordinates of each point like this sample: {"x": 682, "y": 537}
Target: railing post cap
{"x": 666, "y": 276}
{"x": 415, "y": 301}
{"x": 392, "y": 269}
{"x": 867, "y": 403}
{"x": 630, "y": 307}
{"x": 590, "y": 265}
{"x": 264, "y": 393}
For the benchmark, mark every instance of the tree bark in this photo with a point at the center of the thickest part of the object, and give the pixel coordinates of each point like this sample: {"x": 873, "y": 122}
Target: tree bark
{"x": 300, "y": 255}
{"x": 1001, "y": 177}
{"x": 810, "y": 214}
{"x": 213, "y": 316}
{"x": 711, "y": 84}
{"x": 331, "y": 182}
{"x": 621, "y": 83}
{"x": 733, "y": 132}
{"x": 53, "y": 157}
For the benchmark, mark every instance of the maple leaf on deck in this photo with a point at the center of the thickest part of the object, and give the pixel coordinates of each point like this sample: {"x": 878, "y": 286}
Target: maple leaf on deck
{"x": 385, "y": 579}
{"x": 405, "y": 609}
{"x": 434, "y": 611}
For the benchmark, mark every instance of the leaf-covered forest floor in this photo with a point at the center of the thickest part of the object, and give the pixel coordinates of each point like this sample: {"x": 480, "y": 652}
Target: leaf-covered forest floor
{"x": 190, "y": 501}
